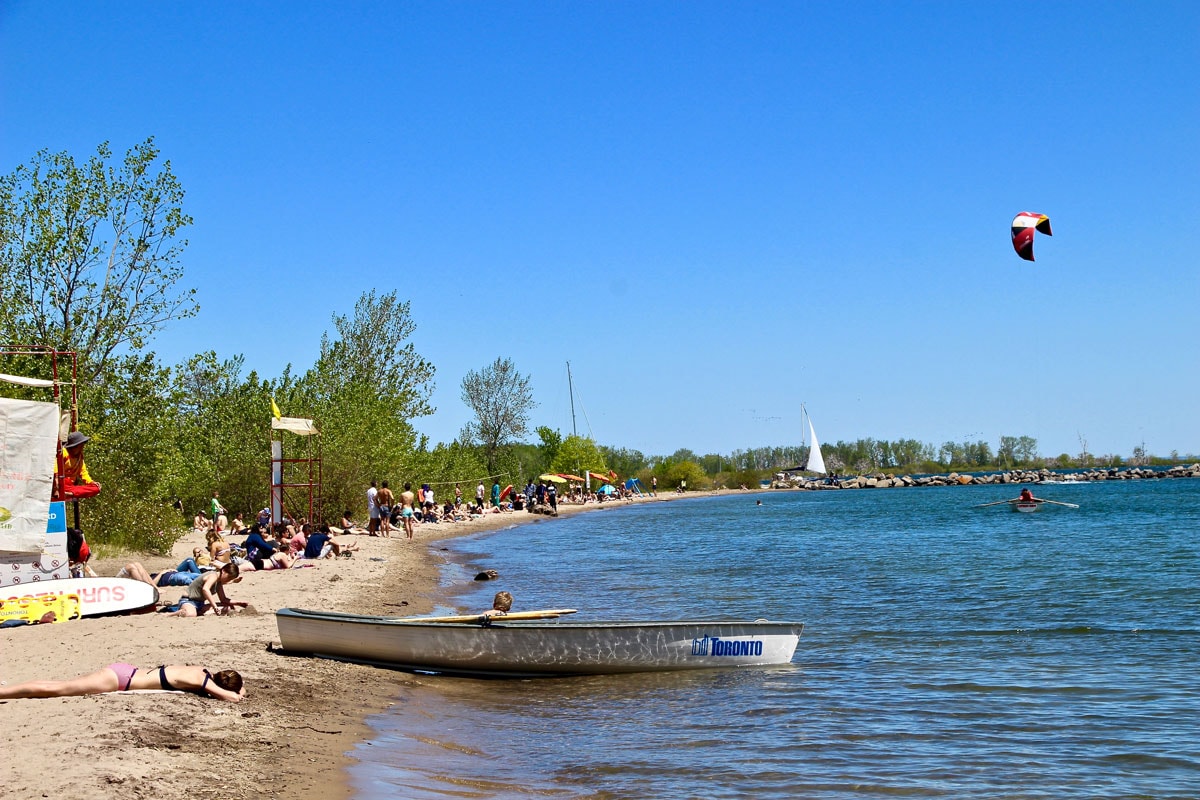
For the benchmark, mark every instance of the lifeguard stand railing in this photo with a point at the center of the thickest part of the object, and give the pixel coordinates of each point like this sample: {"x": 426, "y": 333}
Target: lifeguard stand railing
{"x": 296, "y": 480}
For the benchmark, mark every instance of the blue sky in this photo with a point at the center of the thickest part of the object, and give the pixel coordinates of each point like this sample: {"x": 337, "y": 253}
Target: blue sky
{"x": 714, "y": 211}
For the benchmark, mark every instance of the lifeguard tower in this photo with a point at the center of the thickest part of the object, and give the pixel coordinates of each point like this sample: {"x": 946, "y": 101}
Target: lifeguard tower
{"x": 296, "y": 480}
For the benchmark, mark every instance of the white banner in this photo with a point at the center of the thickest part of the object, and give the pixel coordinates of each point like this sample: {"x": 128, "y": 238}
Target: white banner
{"x": 28, "y": 448}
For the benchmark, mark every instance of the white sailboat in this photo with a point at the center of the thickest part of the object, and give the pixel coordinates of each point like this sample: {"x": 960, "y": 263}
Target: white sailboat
{"x": 815, "y": 463}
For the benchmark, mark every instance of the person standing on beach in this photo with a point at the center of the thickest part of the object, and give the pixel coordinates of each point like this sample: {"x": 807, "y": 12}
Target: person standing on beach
{"x": 457, "y": 495}
{"x": 217, "y": 508}
{"x": 384, "y": 499}
{"x": 372, "y": 511}
{"x": 495, "y": 494}
{"x": 552, "y": 496}
{"x": 653, "y": 485}
{"x": 479, "y": 494}
{"x": 406, "y": 510}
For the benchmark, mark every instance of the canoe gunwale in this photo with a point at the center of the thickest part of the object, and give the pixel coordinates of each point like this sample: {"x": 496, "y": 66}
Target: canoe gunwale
{"x": 501, "y": 622}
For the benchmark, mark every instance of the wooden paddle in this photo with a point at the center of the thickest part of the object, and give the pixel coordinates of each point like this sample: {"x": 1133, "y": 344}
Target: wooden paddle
{"x": 481, "y": 618}
{"x": 1056, "y": 503}
{"x": 1034, "y": 500}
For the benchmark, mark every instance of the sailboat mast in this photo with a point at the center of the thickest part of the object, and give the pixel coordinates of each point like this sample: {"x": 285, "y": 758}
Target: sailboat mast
{"x": 571, "y": 389}
{"x": 803, "y": 431}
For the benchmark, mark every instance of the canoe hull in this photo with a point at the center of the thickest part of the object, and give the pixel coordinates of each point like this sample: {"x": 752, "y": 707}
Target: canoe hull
{"x": 1027, "y": 507}
{"x": 538, "y": 648}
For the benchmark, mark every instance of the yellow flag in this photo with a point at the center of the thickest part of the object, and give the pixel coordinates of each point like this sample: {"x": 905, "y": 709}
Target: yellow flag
{"x": 275, "y": 409}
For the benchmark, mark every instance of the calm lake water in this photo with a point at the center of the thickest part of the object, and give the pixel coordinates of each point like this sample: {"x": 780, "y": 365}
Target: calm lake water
{"x": 949, "y": 651}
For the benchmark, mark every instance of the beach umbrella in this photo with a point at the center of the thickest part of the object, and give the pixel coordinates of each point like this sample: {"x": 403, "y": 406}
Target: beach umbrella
{"x": 554, "y": 478}
{"x": 599, "y": 477}
{"x": 570, "y": 477}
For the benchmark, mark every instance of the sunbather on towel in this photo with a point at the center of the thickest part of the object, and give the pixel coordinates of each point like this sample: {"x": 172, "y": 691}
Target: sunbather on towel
{"x": 120, "y": 677}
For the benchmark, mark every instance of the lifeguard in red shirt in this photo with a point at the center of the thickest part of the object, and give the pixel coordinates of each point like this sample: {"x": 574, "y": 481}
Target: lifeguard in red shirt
{"x": 76, "y": 483}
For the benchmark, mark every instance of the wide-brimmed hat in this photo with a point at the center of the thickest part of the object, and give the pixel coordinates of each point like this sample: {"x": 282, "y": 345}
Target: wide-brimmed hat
{"x": 75, "y": 439}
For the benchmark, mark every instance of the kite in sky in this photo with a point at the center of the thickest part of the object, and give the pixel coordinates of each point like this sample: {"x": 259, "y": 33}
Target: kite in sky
{"x": 1023, "y": 226}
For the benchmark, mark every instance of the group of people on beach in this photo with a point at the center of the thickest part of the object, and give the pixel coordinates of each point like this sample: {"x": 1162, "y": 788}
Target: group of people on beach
{"x": 204, "y": 575}
{"x": 388, "y": 513}
{"x": 225, "y": 685}
{"x": 266, "y": 545}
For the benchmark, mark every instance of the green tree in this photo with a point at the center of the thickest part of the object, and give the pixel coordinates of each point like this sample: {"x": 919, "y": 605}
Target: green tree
{"x": 89, "y": 254}
{"x": 372, "y": 349}
{"x": 364, "y": 391}
{"x": 551, "y": 440}
{"x": 133, "y": 424}
{"x": 1006, "y": 454}
{"x": 222, "y": 435}
{"x": 577, "y": 454}
{"x": 502, "y": 399}
{"x": 625, "y": 462}
{"x": 688, "y": 471}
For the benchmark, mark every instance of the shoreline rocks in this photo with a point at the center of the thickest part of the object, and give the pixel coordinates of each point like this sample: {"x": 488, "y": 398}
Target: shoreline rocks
{"x": 880, "y": 480}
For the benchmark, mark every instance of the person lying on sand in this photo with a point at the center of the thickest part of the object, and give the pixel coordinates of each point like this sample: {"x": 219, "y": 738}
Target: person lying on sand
{"x": 120, "y": 677}
{"x": 171, "y": 577}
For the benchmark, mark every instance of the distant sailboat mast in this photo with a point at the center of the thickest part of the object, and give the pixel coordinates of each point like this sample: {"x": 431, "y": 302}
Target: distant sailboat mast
{"x": 815, "y": 462}
{"x": 571, "y": 388}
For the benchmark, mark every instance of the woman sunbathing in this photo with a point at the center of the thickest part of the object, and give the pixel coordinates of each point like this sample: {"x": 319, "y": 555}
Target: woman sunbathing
{"x": 279, "y": 560}
{"x": 223, "y": 685}
{"x": 218, "y": 548}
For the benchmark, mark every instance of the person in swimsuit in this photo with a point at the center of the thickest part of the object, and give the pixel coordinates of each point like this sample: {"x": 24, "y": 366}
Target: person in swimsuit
{"x": 218, "y": 548}
{"x": 121, "y": 677}
{"x": 200, "y": 592}
{"x": 385, "y": 499}
{"x": 348, "y": 524}
{"x": 406, "y": 509}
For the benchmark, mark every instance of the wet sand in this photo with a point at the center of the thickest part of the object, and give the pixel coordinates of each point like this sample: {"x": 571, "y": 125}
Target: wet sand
{"x": 288, "y": 739}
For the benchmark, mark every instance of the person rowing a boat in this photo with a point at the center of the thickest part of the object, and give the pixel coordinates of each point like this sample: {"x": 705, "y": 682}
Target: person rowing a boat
{"x": 1027, "y": 497}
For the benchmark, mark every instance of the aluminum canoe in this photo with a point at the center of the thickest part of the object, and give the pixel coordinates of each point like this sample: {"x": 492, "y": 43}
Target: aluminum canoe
{"x": 538, "y": 648}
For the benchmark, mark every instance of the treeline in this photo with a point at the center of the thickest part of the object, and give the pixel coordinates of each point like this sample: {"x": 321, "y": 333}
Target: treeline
{"x": 862, "y": 456}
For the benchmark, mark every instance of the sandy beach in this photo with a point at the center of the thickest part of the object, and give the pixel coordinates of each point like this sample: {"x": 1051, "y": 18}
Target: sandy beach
{"x": 287, "y": 739}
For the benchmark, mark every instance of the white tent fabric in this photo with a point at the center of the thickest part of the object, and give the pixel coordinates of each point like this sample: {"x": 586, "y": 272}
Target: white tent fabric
{"x": 29, "y": 431}
{"x": 21, "y": 380}
{"x": 300, "y": 427}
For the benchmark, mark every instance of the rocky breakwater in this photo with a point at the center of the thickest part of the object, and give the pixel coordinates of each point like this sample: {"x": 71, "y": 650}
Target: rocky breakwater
{"x": 880, "y": 480}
